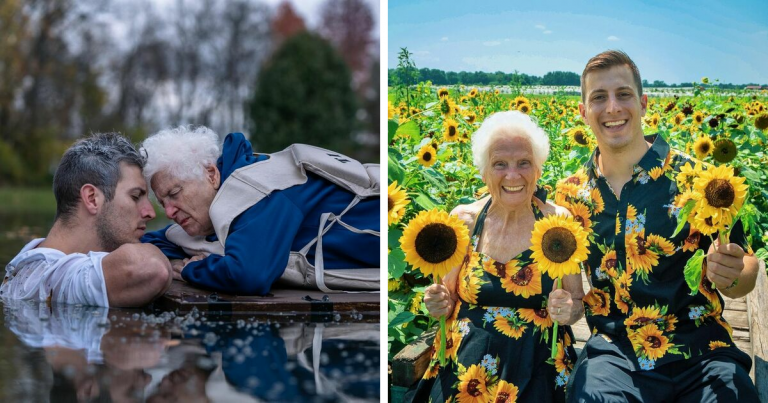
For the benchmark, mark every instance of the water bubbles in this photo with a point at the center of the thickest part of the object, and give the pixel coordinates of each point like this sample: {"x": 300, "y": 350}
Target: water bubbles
{"x": 210, "y": 339}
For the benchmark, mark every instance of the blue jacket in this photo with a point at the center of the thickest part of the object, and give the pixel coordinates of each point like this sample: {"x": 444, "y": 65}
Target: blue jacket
{"x": 261, "y": 238}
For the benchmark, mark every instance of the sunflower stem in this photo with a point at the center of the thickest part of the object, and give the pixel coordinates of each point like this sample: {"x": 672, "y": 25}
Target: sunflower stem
{"x": 441, "y": 351}
{"x": 554, "y": 331}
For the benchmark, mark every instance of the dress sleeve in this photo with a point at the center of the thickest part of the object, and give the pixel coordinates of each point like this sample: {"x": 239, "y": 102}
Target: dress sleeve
{"x": 169, "y": 249}
{"x": 256, "y": 250}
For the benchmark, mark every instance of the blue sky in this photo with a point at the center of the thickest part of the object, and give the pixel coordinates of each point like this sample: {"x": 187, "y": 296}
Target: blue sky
{"x": 673, "y": 41}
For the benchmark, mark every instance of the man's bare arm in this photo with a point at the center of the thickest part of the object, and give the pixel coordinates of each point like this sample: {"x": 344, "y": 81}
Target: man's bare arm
{"x": 136, "y": 274}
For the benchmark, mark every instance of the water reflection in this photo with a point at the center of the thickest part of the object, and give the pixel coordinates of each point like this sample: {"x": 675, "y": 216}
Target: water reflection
{"x": 76, "y": 353}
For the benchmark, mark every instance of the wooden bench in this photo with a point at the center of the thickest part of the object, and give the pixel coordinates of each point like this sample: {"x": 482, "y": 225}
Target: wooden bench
{"x": 747, "y": 315}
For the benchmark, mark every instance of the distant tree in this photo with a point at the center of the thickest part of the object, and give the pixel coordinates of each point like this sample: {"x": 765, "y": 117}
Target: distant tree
{"x": 348, "y": 24}
{"x": 286, "y": 22}
{"x": 561, "y": 78}
{"x": 303, "y": 95}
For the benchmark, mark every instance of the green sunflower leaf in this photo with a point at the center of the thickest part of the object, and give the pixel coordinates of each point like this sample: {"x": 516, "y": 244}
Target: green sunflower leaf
{"x": 392, "y": 130}
{"x": 396, "y": 261}
{"x": 435, "y": 178}
{"x": 409, "y": 129}
{"x": 401, "y": 318}
{"x": 425, "y": 201}
{"x": 762, "y": 254}
{"x": 393, "y": 237}
{"x": 692, "y": 271}
{"x": 682, "y": 217}
{"x": 395, "y": 170}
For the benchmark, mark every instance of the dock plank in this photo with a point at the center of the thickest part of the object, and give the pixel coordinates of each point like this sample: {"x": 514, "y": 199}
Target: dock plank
{"x": 183, "y": 297}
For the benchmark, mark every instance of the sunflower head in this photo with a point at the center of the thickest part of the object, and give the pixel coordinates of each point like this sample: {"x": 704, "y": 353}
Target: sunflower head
{"x": 725, "y": 151}
{"x": 451, "y": 130}
{"x": 559, "y": 244}
{"x": 524, "y": 108}
{"x": 761, "y": 121}
{"x": 396, "y": 202}
{"x": 720, "y": 195}
{"x": 434, "y": 242}
{"x": 703, "y": 147}
{"x": 579, "y": 137}
{"x": 427, "y": 155}
{"x": 442, "y": 92}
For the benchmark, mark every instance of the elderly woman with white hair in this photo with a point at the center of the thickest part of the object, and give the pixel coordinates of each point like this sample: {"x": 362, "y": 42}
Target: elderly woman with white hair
{"x": 500, "y": 305}
{"x": 245, "y": 220}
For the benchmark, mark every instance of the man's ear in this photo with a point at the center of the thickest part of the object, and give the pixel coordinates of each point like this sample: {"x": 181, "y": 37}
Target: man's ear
{"x": 644, "y": 103}
{"x": 213, "y": 176}
{"x": 583, "y": 112}
{"x": 92, "y": 198}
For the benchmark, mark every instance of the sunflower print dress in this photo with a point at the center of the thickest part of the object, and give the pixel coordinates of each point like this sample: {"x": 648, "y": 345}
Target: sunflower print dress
{"x": 498, "y": 346}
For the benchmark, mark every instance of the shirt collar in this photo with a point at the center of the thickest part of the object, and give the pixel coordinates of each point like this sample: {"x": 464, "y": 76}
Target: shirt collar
{"x": 654, "y": 157}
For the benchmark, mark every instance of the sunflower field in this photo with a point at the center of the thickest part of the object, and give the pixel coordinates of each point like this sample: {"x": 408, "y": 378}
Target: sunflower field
{"x": 430, "y": 162}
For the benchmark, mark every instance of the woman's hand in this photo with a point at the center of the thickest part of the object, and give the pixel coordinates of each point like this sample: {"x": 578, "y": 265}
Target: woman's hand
{"x": 438, "y": 300}
{"x": 562, "y": 305}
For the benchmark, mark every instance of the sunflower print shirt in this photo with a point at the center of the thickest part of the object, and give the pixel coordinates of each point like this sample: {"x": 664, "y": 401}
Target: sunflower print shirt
{"x": 498, "y": 339}
{"x": 639, "y": 299}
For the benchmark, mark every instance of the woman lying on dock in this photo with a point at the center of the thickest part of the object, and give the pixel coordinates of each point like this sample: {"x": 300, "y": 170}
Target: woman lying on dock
{"x": 245, "y": 220}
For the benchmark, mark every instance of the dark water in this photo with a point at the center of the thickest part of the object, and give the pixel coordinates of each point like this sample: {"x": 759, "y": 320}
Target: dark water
{"x": 72, "y": 353}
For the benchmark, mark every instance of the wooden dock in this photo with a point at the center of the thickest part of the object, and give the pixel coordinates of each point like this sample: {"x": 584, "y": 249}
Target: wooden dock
{"x": 748, "y": 316}
{"x": 289, "y": 304}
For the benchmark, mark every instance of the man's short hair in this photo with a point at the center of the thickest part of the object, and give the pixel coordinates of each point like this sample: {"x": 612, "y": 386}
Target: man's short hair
{"x": 93, "y": 160}
{"x": 606, "y": 60}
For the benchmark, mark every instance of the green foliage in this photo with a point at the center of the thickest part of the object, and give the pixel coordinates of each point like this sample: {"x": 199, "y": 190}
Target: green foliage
{"x": 303, "y": 95}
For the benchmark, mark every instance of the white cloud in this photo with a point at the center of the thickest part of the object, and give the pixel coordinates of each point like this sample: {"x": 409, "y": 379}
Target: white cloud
{"x": 613, "y": 38}
{"x": 492, "y": 43}
{"x": 507, "y": 39}
{"x": 444, "y": 39}
{"x": 541, "y": 27}
{"x": 547, "y": 32}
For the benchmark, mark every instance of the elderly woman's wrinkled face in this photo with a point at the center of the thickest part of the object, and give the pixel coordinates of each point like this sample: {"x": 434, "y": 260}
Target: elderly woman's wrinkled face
{"x": 511, "y": 175}
{"x": 187, "y": 202}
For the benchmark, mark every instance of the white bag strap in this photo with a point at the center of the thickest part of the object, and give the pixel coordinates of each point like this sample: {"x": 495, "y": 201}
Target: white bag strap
{"x": 317, "y": 345}
{"x": 331, "y": 219}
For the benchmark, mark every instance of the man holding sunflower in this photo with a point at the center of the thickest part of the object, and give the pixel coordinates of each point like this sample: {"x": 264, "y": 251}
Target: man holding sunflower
{"x": 652, "y": 341}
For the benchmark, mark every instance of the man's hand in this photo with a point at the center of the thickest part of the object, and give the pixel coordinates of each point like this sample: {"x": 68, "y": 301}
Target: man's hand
{"x": 724, "y": 264}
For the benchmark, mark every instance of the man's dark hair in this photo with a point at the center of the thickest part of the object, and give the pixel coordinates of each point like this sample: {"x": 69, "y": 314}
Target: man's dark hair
{"x": 93, "y": 160}
{"x": 606, "y": 60}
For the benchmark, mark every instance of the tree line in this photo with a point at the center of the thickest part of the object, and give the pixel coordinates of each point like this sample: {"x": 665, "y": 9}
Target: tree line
{"x": 555, "y": 78}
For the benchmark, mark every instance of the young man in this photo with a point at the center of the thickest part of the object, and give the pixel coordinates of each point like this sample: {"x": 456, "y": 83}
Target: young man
{"x": 91, "y": 255}
{"x": 652, "y": 341}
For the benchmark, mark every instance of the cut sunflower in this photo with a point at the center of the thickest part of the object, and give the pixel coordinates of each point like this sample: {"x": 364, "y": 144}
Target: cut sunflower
{"x": 427, "y": 155}
{"x": 396, "y": 202}
{"x": 434, "y": 242}
{"x": 720, "y": 195}
{"x": 559, "y": 244}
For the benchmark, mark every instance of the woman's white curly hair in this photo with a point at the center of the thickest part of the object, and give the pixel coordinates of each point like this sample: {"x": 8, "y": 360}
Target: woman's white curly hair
{"x": 509, "y": 124}
{"x": 183, "y": 152}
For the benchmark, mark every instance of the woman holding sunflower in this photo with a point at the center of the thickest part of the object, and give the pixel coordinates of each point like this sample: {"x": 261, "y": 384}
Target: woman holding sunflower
{"x": 501, "y": 309}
